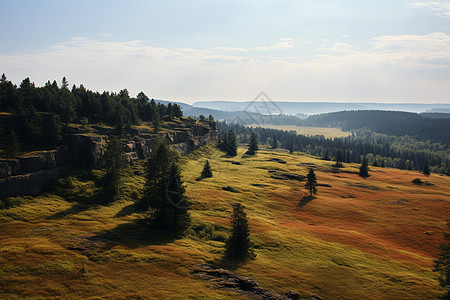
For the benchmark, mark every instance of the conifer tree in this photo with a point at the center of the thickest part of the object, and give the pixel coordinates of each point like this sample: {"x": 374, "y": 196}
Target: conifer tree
{"x": 364, "y": 168}
{"x": 164, "y": 192}
{"x": 239, "y": 245}
{"x": 274, "y": 142}
{"x": 232, "y": 143}
{"x": 311, "y": 182}
{"x": 426, "y": 168}
{"x": 326, "y": 156}
{"x": 338, "y": 159}
{"x": 178, "y": 214}
{"x": 207, "y": 172}
{"x": 12, "y": 144}
{"x": 64, "y": 83}
{"x": 253, "y": 145}
{"x": 228, "y": 143}
{"x": 291, "y": 148}
{"x": 113, "y": 162}
{"x": 52, "y": 129}
{"x": 157, "y": 122}
{"x": 442, "y": 264}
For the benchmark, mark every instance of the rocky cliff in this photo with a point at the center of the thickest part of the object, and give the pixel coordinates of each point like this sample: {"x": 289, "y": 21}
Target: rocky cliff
{"x": 29, "y": 174}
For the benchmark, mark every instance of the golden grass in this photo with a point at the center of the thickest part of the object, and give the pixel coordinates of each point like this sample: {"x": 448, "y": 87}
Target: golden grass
{"x": 307, "y": 130}
{"x": 372, "y": 238}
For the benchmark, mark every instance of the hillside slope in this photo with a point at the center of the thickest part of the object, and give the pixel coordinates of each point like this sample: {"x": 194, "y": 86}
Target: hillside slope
{"x": 358, "y": 238}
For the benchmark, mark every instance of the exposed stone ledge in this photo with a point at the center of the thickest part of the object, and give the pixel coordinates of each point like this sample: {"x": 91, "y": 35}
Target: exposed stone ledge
{"x": 28, "y": 175}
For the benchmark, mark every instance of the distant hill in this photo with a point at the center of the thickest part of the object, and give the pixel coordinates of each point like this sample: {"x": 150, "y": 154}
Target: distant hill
{"x": 293, "y": 108}
{"x": 435, "y": 115}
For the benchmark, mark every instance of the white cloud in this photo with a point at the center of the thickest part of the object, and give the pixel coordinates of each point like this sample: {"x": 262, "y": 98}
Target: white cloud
{"x": 337, "y": 48}
{"x": 391, "y": 67}
{"x": 230, "y": 49}
{"x": 282, "y": 44}
{"x": 411, "y": 51}
{"x": 440, "y": 8}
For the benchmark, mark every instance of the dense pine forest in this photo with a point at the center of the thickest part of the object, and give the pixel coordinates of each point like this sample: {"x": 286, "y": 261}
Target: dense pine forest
{"x": 421, "y": 127}
{"x": 33, "y": 117}
{"x": 402, "y": 152}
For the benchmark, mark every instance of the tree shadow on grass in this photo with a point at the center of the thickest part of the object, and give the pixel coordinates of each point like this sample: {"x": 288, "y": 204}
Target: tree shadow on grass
{"x": 305, "y": 200}
{"x": 127, "y": 210}
{"x": 230, "y": 264}
{"x": 135, "y": 234}
{"x": 73, "y": 210}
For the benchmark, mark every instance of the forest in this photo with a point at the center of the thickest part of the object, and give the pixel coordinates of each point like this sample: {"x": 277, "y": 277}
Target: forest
{"x": 421, "y": 127}
{"x": 402, "y": 152}
{"x": 35, "y": 116}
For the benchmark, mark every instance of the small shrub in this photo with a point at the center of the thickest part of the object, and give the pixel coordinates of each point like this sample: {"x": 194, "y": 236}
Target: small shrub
{"x": 417, "y": 181}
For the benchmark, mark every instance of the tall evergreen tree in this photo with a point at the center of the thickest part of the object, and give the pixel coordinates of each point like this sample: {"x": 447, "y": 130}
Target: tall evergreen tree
{"x": 239, "y": 245}
{"x": 228, "y": 143}
{"x": 163, "y": 192}
{"x": 178, "y": 213}
{"x": 274, "y": 142}
{"x": 326, "y": 156}
{"x": 52, "y": 130}
{"x": 426, "y": 168}
{"x": 338, "y": 159}
{"x": 364, "y": 168}
{"x": 232, "y": 143}
{"x": 113, "y": 162}
{"x": 207, "y": 172}
{"x": 156, "y": 122}
{"x": 12, "y": 144}
{"x": 253, "y": 145}
{"x": 311, "y": 182}
{"x": 442, "y": 264}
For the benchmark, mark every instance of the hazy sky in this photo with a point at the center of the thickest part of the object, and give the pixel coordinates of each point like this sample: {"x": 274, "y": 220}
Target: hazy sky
{"x": 304, "y": 50}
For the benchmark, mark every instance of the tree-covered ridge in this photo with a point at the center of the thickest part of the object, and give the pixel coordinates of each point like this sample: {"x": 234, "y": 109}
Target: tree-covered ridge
{"x": 389, "y": 122}
{"x": 403, "y": 152}
{"x": 36, "y": 114}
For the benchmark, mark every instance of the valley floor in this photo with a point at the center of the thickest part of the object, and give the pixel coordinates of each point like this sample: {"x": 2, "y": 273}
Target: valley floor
{"x": 373, "y": 238}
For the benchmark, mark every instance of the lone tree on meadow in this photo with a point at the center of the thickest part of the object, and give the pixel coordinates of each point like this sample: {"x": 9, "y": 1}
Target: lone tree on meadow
{"x": 239, "y": 246}
{"x": 338, "y": 159}
{"x": 253, "y": 145}
{"x": 164, "y": 191}
{"x": 311, "y": 182}
{"x": 442, "y": 264}
{"x": 207, "y": 172}
{"x": 113, "y": 163}
{"x": 364, "y": 168}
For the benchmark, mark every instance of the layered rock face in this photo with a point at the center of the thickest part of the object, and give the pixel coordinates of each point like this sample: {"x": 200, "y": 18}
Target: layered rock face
{"x": 30, "y": 174}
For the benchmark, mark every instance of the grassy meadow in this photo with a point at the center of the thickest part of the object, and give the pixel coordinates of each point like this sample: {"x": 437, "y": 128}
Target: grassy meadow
{"x": 372, "y": 238}
{"x": 327, "y": 132}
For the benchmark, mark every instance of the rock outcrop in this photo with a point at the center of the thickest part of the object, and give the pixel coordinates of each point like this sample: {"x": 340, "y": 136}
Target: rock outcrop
{"x": 28, "y": 175}
{"x": 228, "y": 280}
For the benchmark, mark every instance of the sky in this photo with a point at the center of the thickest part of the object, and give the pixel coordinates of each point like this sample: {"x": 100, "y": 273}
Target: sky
{"x": 204, "y": 50}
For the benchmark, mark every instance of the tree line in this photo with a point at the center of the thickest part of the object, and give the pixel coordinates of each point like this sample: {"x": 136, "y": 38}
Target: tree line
{"x": 402, "y": 152}
{"x": 36, "y": 115}
{"x": 397, "y": 123}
